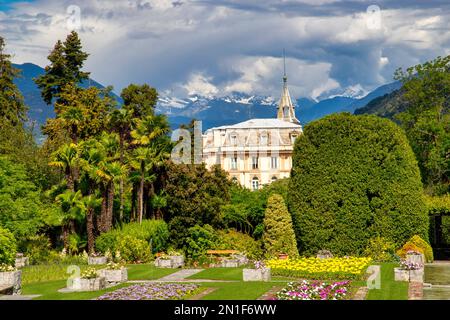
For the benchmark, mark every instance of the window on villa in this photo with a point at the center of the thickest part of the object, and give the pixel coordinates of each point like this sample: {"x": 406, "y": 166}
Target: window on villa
{"x": 234, "y": 180}
{"x": 274, "y": 179}
{"x": 233, "y": 163}
{"x": 233, "y": 140}
{"x": 274, "y": 162}
{"x": 254, "y": 163}
{"x": 293, "y": 137}
{"x": 263, "y": 140}
{"x": 255, "y": 184}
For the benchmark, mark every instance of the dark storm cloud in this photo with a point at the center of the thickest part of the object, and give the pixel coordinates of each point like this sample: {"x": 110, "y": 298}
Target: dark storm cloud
{"x": 238, "y": 44}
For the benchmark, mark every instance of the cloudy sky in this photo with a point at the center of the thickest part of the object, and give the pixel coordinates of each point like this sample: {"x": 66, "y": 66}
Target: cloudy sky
{"x": 215, "y": 47}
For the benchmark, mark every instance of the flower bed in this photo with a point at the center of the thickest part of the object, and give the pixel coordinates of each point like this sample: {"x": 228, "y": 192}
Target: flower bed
{"x": 332, "y": 268}
{"x": 314, "y": 290}
{"x": 152, "y": 291}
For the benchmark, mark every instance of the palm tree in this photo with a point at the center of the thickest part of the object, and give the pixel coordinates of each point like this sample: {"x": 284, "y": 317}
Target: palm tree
{"x": 72, "y": 208}
{"x": 149, "y": 135}
{"x": 66, "y": 158}
{"x": 90, "y": 202}
{"x": 72, "y": 118}
{"x": 121, "y": 121}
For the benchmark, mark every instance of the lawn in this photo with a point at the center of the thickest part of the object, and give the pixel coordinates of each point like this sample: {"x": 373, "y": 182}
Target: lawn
{"x": 390, "y": 289}
{"x": 232, "y": 274}
{"x": 239, "y": 290}
{"x": 147, "y": 272}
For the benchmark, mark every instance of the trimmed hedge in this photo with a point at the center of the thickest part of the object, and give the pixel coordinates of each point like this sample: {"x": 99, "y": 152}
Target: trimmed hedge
{"x": 8, "y": 247}
{"x": 354, "y": 178}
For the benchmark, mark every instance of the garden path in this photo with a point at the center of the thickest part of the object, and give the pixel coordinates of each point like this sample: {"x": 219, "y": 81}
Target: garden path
{"x": 438, "y": 275}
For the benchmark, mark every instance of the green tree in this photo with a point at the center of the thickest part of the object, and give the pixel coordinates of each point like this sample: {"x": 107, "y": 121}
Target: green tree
{"x": 139, "y": 100}
{"x": 21, "y": 209}
{"x": 354, "y": 178}
{"x": 90, "y": 204}
{"x": 426, "y": 119}
{"x": 72, "y": 209}
{"x": 66, "y": 158}
{"x": 150, "y": 136}
{"x": 195, "y": 196}
{"x": 13, "y": 110}
{"x": 279, "y": 236}
{"x": 66, "y": 61}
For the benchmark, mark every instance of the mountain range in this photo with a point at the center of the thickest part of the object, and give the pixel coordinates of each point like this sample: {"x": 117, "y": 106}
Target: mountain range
{"x": 212, "y": 111}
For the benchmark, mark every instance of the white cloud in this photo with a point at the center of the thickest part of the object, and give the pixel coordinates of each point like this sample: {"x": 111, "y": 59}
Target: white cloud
{"x": 199, "y": 84}
{"x": 217, "y": 46}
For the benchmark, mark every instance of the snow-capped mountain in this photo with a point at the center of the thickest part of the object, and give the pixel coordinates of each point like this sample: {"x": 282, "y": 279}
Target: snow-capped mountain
{"x": 237, "y": 107}
{"x": 215, "y": 111}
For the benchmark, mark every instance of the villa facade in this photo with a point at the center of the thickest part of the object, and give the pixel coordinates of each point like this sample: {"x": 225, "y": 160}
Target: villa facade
{"x": 255, "y": 152}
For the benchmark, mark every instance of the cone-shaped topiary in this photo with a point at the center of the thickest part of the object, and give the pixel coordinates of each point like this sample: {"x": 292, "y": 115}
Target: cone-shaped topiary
{"x": 354, "y": 178}
{"x": 279, "y": 236}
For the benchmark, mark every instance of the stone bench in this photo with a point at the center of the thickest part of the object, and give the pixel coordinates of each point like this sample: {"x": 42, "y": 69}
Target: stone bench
{"x": 228, "y": 258}
{"x": 11, "y": 282}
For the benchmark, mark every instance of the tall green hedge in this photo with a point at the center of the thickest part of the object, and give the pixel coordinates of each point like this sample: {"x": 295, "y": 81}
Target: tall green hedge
{"x": 354, "y": 178}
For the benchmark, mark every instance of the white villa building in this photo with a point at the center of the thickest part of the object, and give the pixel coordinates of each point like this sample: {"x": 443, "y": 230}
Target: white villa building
{"x": 257, "y": 151}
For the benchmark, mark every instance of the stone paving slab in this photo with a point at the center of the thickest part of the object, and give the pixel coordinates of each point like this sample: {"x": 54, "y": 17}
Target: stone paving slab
{"x": 19, "y": 297}
{"x": 180, "y": 275}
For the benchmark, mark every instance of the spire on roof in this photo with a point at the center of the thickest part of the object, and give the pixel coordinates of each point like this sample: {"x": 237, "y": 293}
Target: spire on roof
{"x": 286, "y": 110}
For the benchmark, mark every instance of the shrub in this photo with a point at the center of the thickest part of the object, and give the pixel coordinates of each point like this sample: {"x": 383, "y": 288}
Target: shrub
{"x": 416, "y": 243}
{"x": 134, "y": 250}
{"x": 37, "y": 248}
{"x": 278, "y": 234}
{"x": 354, "y": 178}
{"x": 8, "y": 247}
{"x": 234, "y": 240}
{"x": 408, "y": 246}
{"x": 201, "y": 239}
{"x": 379, "y": 249}
{"x": 150, "y": 231}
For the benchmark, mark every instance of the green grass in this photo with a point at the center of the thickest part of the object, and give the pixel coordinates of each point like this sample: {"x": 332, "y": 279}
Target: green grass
{"x": 44, "y": 273}
{"x": 239, "y": 290}
{"x": 390, "y": 289}
{"x": 147, "y": 272}
{"x": 219, "y": 274}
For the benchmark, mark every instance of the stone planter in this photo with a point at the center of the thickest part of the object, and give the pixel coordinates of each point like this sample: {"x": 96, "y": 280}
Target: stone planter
{"x": 97, "y": 260}
{"x": 12, "y": 279}
{"x": 229, "y": 263}
{"x": 114, "y": 276}
{"x": 95, "y": 284}
{"x": 416, "y": 258}
{"x": 257, "y": 274}
{"x": 21, "y": 261}
{"x": 177, "y": 261}
{"x": 408, "y": 275}
{"x": 283, "y": 256}
{"x": 170, "y": 262}
{"x": 241, "y": 258}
